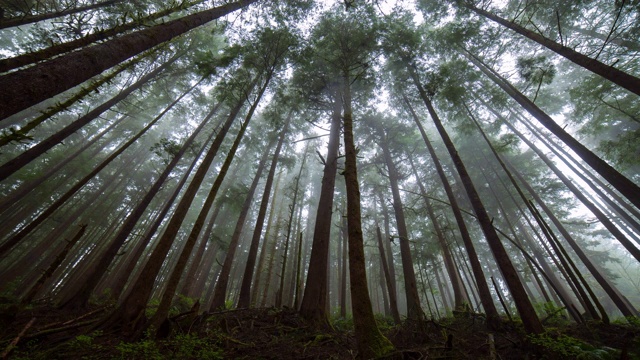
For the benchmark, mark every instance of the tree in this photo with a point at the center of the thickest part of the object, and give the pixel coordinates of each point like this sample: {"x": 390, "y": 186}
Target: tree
{"x": 25, "y": 88}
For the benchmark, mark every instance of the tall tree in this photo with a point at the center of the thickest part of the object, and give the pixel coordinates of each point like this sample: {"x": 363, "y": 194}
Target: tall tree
{"x": 22, "y": 89}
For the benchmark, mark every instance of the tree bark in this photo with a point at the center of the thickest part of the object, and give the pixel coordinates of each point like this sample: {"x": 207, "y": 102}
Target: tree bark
{"x": 22, "y": 89}
{"x": 493, "y": 318}
{"x": 625, "y": 186}
{"x": 34, "y": 152}
{"x": 527, "y": 313}
{"x": 370, "y": 341}
{"x": 244, "y": 299}
{"x": 129, "y": 314}
{"x": 608, "y": 72}
{"x": 414, "y": 311}
{"x": 30, "y": 19}
{"x": 314, "y": 301}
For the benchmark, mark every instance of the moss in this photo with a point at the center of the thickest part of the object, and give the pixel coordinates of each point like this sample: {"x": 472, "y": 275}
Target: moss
{"x": 379, "y": 345}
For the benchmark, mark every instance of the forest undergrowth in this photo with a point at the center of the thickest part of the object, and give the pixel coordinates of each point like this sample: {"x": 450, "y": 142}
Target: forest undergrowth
{"x": 44, "y": 332}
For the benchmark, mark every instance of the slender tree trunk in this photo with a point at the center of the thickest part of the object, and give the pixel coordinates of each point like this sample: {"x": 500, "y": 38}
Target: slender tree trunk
{"x": 22, "y": 89}
{"x": 393, "y": 302}
{"x": 121, "y": 278}
{"x": 629, "y": 245}
{"x": 414, "y": 311}
{"x": 244, "y": 299}
{"x": 59, "y": 259}
{"x": 629, "y": 44}
{"x": 23, "y": 133}
{"x": 272, "y": 257}
{"x": 190, "y": 277}
{"x": 264, "y": 249}
{"x": 7, "y": 245}
{"x": 523, "y": 304}
{"x": 34, "y": 152}
{"x": 606, "y": 198}
{"x": 220, "y": 290}
{"x": 54, "y": 50}
{"x": 552, "y": 239}
{"x": 493, "y": 319}
{"x": 370, "y": 341}
{"x": 28, "y": 187}
{"x": 131, "y": 311}
{"x": 625, "y": 186}
{"x": 314, "y": 302}
{"x": 608, "y": 72}
{"x": 454, "y": 276}
{"x": 30, "y": 19}
{"x": 343, "y": 267}
{"x": 387, "y": 246}
{"x": 176, "y": 273}
{"x": 81, "y": 297}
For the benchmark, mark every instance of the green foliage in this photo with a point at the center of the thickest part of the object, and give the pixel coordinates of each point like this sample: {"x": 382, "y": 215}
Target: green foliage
{"x": 536, "y": 69}
{"x": 165, "y": 149}
{"x": 628, "y": 320}
{"x": 567, "y": 347}
{"x": 342, "y": 324}
{"x": 152, "y": 307}
{"x": 145, "y": 349}
{"x": 385, "y": 323}
{"x": 554, "y": 315}
{"x": 190, "y": 346}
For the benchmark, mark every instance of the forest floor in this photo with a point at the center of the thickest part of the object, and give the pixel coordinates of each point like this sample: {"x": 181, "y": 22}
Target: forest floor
{"x": 270, "y": 333}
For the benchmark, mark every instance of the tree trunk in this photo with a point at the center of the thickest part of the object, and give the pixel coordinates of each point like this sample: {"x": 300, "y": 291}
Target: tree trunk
{"x": 59, "y": 259}
{"x": 23, "y": 133}
{"x": 625, "y": 186}
{"x": 244, "y": 299}
{"x": 28, "y": 187}
{"x": 54, "y": 50}
{"x": 493, "y": 319}
{"x": 22, "y": 89}
{"x": 630, "y": 246}
{"x": 7, "y": 245}
{"x": 96, "y": 273}
{"x": 314, "y": 301}
{"x": 565, "y": 260}
{"x": 393, "y": 302}
{"x": 264, "y": 249}
{"x": 608, "y": 72}
{"x": 174, "y": 279}
{"x": 454, "y": 276}
{"x": 343, "y": 267}
{"x": 523, "y": 304}
{"x": 370, "y": 341}
{"x": 29, "y": 19}
{"x": 34, "y": 152}
{"x": 220, "y": 290}
{"x": 414, "y": 311}
{"x": 121, "y": 278}
{"x": 190, "y": 276}
{"x": 131, "y": 311}
{"x": 387, "y": 247}
{"x": 629, "y": 44}
{"x": 272, "y": 257}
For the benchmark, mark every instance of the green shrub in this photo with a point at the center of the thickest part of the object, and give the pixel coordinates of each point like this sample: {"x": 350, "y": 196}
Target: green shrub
{"x": 567, "y": 347}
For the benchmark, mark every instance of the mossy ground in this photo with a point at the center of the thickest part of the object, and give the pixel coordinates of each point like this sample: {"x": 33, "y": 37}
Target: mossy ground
{"x": 269, "y": 333}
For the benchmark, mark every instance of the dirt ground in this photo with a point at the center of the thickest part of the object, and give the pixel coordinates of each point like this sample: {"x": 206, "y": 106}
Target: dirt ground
{"x": 270, "y": 333}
